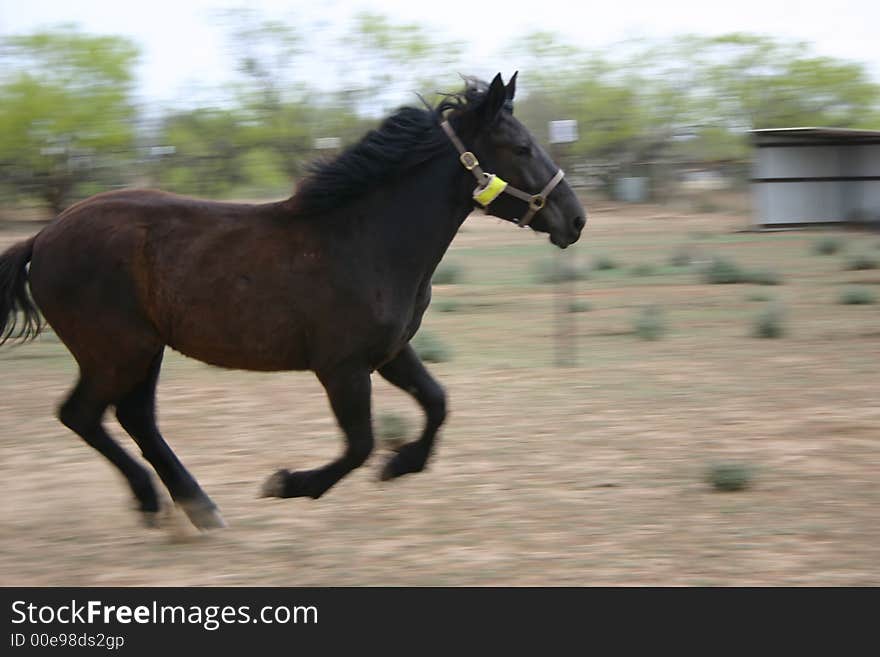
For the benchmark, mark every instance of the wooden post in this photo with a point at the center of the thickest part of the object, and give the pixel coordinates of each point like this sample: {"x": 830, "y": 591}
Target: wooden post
{"x": 566, "y": 330}
{"x": 564, "y": 132}
{"x": 564, "y": 296}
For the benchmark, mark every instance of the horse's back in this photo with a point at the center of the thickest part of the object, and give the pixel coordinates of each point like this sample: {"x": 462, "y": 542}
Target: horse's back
{"x": 104, "y": 242}
{"x": 87, "y": 276}
{"x": 225, "y": 283}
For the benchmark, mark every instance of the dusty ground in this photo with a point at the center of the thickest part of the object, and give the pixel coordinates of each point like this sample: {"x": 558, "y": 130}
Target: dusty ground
{"x": 586, "y": 475}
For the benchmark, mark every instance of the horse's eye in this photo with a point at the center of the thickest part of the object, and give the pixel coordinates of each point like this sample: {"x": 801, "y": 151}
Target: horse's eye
{"x": 523, "y": 151}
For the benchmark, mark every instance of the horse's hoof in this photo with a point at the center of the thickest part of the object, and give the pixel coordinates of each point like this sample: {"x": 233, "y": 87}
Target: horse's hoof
{"x": 397, "y": 467}
{"x": 275, "y": 485}
{"x": 204, "y": 515}
{"x": 287, "y": 484}
{"x": 389, "y": 471}
{"x": 151, "y": 519}
{"x": 408, "y": 459}
{"x": 395, "y": 444}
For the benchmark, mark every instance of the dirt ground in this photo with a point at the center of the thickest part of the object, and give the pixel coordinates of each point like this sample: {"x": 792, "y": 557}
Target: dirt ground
{"x": 593, "y": 474}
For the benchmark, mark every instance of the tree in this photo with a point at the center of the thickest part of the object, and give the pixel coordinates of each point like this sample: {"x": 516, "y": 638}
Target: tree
{"x": 691, "y": 95}
{"x": 565, "y": 82}
{"x": 206, "y": 158}
{"x": 279, "y": 116}
{"x": 66, "y": 113}
{"x": 387, "y": 62}
{"x": 758, "y": 82}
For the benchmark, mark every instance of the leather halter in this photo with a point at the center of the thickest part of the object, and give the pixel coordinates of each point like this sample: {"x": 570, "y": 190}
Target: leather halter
{"x": 490, "y": 186}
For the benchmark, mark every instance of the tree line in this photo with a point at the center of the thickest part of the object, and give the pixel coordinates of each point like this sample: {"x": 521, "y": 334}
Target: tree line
{"x": 71, "y": 124}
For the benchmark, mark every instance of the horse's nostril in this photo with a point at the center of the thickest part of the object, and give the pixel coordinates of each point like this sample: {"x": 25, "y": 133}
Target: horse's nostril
{"x": 579, "y": 222}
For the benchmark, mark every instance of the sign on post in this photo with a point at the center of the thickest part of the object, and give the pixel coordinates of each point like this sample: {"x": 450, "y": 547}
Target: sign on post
{"x": 563, "y": 132}
{"x": 327, "y": 143}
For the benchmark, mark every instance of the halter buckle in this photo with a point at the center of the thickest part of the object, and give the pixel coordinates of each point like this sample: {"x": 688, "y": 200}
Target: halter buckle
{"x": 537, "y": 202}
{"x": 469, "y": 160}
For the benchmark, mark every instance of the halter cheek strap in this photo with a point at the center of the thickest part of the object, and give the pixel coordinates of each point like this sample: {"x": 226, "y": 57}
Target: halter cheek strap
{"x": 490, "y": 186}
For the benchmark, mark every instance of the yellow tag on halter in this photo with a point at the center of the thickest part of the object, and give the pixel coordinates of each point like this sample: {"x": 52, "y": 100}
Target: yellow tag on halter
{"x": 487, "y": 193}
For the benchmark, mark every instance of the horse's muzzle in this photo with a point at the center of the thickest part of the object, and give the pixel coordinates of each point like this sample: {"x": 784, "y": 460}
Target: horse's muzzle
{"x": 572, "y": 233}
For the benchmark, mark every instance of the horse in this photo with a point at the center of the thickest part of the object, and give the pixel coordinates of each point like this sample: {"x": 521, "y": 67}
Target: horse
{"x": 333, "y": 280}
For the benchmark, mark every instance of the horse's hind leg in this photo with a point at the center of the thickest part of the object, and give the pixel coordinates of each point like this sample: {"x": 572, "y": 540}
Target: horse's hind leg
{"x": 408, "y": 373}
{"x": 349, "y": 394}
{"x": 136, "y": 412}
{"x": 82, "y": 413}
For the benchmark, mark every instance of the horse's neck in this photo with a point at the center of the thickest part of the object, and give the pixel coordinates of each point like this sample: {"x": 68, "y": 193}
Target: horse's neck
{"x": 436, "y": 202}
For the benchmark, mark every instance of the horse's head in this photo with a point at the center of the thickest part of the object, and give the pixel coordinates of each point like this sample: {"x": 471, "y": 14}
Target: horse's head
{"x": 516, "y": 179}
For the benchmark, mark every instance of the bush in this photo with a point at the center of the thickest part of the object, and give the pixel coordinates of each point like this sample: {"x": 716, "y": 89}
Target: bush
{"x": 863, "y": 262}
{"x": 392, "y": 427}
{"x": 649, "y": 324}
{"x": 430, "y": 348}
{"x": 604, "y": 263}
{"x": 857, "y": 296}
{"x": 730, "y": 476}
{"x": 827, "y": 246}
{"x": 770, "y": 323}
{"x": 447, "y": 273}
{"x": 446, "y": 305}
{"x": 557, "y": 271}
{"x": 644, "y": 269}
{"x": 763, "y": 277}
{"x": 724, "y": 271}
{"x": 682, "y": 257}
{"x": 579, "y": 306}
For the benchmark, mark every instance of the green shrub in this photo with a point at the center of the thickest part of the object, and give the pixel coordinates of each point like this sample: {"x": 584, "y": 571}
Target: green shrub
{"x": 723, "y": 271}
{"x": 863, "y": 262}
{"x": 579, "y": 306}
{"x": 556, "y": 271}
{"x": 645, "y": 269}
{"x": 827, "y": 246}
{"x": 649, "y": 324}
{"x": 448, "y": 272}
{"x": 682, "y": 257}
{"x": 758, "y": 296}
{"x": 763, "y": 277}
{"x": 730, "y": 476}
{"x": 857, "y": 296}
{"x": 604, "y": 263}
{"x": 707, "y": 206}
{"x": 446, "y": 305}
{"x": 391, "y": 427}
{"x": 430, "y": 348}
{"x": 770, "y": 322}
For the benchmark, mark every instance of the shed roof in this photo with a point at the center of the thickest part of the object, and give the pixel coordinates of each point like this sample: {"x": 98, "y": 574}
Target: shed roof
{"x": 817, "y": 134}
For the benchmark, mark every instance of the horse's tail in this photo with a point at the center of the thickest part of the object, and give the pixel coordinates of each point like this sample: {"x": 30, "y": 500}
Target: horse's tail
{"x": 19, "y": 316}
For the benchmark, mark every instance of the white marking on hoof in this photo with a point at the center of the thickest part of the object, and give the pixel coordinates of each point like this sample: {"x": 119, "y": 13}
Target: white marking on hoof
{"x": 177, "y": 525}
{"x": 274, "y": 485}
{"x": 152, "y": 519}
{"x": 203, "y": 515}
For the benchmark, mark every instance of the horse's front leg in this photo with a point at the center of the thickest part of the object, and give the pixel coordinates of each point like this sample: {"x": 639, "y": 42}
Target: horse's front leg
{"x": 407, "y": 372}
{"x": 349, "y": 393}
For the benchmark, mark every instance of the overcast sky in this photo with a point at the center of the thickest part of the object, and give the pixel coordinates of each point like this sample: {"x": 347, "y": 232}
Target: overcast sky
{"x": 183, "y": 45}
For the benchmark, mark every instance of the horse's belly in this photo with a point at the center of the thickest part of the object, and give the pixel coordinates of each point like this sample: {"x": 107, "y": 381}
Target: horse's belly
{"x": 254, "y": 356}
{"x": 240, "y": 341}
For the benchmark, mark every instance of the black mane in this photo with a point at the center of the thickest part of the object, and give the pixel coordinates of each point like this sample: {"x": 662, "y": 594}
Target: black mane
{"x": 402, "y": 141}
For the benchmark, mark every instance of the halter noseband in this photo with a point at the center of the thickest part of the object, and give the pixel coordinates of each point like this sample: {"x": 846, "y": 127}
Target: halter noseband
{"x": 490, "y": 186}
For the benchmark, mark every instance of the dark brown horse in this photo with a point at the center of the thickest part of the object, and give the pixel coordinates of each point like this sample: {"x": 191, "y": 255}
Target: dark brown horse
{"x": 334, "y": 279}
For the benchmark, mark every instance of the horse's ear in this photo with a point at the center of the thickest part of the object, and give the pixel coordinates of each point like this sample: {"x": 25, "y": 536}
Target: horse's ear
{"x": 494, "y": 101}
{"x": 511, "y": 87}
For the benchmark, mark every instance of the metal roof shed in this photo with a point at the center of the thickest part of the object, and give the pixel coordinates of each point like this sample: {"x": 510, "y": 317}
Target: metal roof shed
{"x": 806, "y": 176}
